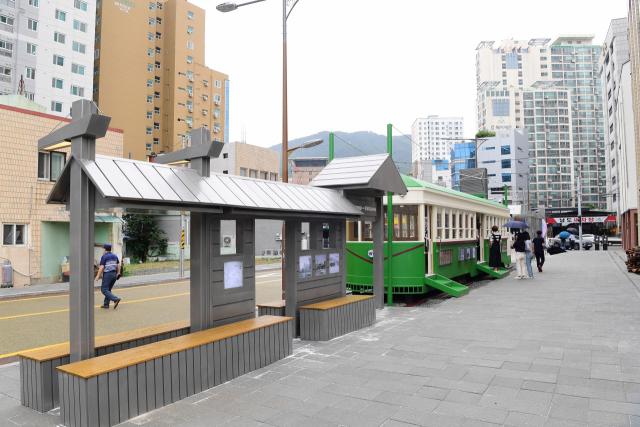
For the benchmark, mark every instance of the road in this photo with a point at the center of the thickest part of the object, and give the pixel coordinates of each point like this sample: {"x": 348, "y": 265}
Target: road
{"x": 40, "y": 321}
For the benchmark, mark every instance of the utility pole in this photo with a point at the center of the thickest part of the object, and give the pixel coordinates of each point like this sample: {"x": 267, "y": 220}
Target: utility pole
{"x": 389, "y": 223}
{"x": 331, "y": 146}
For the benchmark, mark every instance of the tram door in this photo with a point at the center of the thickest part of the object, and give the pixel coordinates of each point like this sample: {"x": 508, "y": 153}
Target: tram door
{"x": 479, "y": 236}
{"x": 427, "y": 240}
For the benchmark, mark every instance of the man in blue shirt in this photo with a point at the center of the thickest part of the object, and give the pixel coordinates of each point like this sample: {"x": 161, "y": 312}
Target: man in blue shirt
{"x": 109, "y": 270}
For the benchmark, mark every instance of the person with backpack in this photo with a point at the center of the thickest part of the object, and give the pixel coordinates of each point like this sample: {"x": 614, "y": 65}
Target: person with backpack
{"x": 520, "y": 249}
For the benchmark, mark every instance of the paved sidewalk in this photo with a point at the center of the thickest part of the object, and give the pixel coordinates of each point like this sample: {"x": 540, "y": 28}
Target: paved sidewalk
{"x": 560, "y": 350}
{"x": 125, "y": 282}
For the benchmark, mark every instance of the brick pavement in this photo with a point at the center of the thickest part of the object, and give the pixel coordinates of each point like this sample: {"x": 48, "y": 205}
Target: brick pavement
{"x": 560, "y": 350}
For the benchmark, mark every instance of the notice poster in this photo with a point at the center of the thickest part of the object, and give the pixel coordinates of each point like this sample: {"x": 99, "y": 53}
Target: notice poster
{"x": 232, "y": 274}
{"x": 321, "y": 265}
{"x": 334, "y": 263}
{"x": 305, "y": 267}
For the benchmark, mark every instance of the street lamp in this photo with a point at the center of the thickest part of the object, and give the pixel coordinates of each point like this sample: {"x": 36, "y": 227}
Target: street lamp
{"x": 230, "y": 7}
{"x": 307, "y": 144}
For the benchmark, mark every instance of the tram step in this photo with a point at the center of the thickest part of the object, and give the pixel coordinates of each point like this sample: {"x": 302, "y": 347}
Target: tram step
{"x": 446, "y": 285}
{"x": 484, "y": 267}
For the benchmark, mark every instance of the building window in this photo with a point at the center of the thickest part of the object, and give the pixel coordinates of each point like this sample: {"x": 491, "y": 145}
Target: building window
{"x": 157, "y": 79}
{"x": 152, "y": 6}
{"x": 150, "y": 68}
{"x": 14, "y": 234}
{"x": 57, "y": 83}
{"x": 150, "y": 36}
{"x": 158, "y": 21}
{"x": 189, "y": 29}
{"x": 149, "y": 99}
{"x": 77, "y": 90}
{"x": 59, "y": 37}
{"x": 500, "y": 107}
{"x": 505, "y": 149}
{"x": 6, "y": 20}
{"x": 243, "y": 171}
{"x": 149, "y": 83}
{"x": 190, "y": 44}
{"x": 506, "y": 163}
{"x": 31, "y": 48}
{"x": 159, "y": 5}
{"x": 30, "y": 73}
{"x": 506, "y": 177}
{"x": 152, "y": 21}
{"x": 77, "y": 69}
{"x": 149, "y": 131}
{"x": 79, "y": 4}
{"x": 150, "y": 52}
{"x": 56, "y": 106}
{"x": 7, "y": 48}
{"x": 157, "y": 65}
{"x": 60, "y": 15}
{"x": 156, "y": 110}
{"x": 30, "y": 96}
{"x": 34, "y": 3}
{"x": 156, "y": 126}
{"x": 189, "y": 59}
{"x": 58, "y": 60}
{"x": 218, "y": 84}
{"x": 158, "y": 36}
{"x": 156, "y": 141}
{"x": 149, "y": 114}
{"x": 217, "y": 98}
{"x": 156, "y": 95}
{"x": 79, "y": 47}
{"x": 158, "y": 51}
{"x": 79, "y": 26}
{"x": 189, "y": 14}
{"x": 50, "y": 165}
{"x": 5, "y": 72}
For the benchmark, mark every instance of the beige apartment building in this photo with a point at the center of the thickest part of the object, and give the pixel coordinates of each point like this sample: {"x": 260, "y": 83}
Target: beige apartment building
{"x": 634, "y": 56}
{"x": 150, "y": 75}
{"x": 35, "y": 235}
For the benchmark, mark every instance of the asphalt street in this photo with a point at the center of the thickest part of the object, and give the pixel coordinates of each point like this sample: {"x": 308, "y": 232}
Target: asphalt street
{"x": 40, "y": 321}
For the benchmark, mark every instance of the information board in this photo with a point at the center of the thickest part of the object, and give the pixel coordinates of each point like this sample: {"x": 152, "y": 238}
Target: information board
{"x": 233, "y": 274}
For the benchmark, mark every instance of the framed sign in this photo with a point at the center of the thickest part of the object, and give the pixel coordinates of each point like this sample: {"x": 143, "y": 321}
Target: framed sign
{"x": 334, "y": 263}
{"x": 232, "y": 274}
{"x": 445, "y": 257}
{"x": 305, "y": 267}
{"x": 320, "y": 265}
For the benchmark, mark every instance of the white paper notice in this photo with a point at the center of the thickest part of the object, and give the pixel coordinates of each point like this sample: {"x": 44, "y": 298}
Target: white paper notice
{"x": 232, "y": 274}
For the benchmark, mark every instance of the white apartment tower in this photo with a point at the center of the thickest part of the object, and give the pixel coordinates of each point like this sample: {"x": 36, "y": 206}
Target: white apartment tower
{"x": 562, "y": 112}
{"x": 48, "y": 46}
{"x": 433, "y": 136}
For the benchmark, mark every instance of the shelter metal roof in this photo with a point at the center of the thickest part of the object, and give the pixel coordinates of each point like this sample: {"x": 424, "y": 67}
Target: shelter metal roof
{"x": 136, "y": 182}
{"x": 374, "y": 172}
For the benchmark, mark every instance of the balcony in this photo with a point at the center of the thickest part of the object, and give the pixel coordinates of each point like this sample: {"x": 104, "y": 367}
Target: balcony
{"x": 5, "y": 79}
{"x": 6, "y": 27}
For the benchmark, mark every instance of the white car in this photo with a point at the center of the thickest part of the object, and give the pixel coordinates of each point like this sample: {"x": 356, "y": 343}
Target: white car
{"x": 588, "y": 238}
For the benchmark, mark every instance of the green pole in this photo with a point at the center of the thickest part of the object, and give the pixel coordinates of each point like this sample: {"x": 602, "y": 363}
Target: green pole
{"x": 389, "y": 223}
{"x": 331, "y": 153}
{"x": 505, "y": 195}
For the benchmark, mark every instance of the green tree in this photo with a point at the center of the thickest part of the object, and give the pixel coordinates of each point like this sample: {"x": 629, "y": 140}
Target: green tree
{"x": 483, "y": 133}
{"x": 144, "y": 236}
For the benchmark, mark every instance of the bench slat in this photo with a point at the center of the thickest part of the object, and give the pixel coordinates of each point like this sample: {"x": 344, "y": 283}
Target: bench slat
{"x": 336, "y": 302}
{"x": 273, "y": 304}
{"x": 57, "y": 351}
{"x": 111, "y": 362}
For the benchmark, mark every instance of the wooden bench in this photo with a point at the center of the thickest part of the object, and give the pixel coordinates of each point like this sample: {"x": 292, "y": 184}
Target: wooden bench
{"x": 38, "y": 375}
{"x": 275, "y": 308}
{"x": 328, "y": 319}
{"x": 110, "y": 389}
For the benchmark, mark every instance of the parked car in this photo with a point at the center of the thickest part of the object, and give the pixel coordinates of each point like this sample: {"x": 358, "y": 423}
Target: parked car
{"x": 615, "y": 240}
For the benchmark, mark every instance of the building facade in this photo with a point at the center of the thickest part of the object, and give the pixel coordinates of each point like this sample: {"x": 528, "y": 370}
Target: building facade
{"x": 508, "y": 72}
{"x": 150, "y": 75}
{"x": 46, "y": 51}
{"x": 433, "y": 136}
{"x": 35, "y": 235}
{"x": 436, "y": 171}
{"x": 302, "y": 170}
{"x": 506, "y": 159}
{"x": 463, "y": 156}
{"x": 615, "y": 53}
{"x": 247, "y": 160}
{"x": 634, "y": 56}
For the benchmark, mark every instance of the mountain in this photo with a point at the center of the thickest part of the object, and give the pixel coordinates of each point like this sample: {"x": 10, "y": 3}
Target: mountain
{"x": 349, "y": 144}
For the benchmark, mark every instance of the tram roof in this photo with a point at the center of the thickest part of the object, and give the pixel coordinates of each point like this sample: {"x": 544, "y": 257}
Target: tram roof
{"x": 411, "y": 182}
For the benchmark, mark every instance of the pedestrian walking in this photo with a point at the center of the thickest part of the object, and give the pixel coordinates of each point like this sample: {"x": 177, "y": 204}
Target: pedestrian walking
{"x": 528, "y": 249}
{"x": 538, "y": 249}
{"x": 519, "y": 247}
{"x": 109, "y": 270}
{"x": 495, "y": 256}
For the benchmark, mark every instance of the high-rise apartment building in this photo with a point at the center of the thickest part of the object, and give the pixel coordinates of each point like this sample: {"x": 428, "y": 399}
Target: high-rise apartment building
{"x": 508, "y": 71}
{"x": 46, "y": 51}
{"x": 433, "y": 136}
{"x": 634, "y": 56}
{"x": 150, "y": 75}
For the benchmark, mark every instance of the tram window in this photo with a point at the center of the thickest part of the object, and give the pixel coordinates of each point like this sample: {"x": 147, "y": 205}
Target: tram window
{"x": 438, "y": 224}
{"x": 396, "y": 226}
{"x": 405, "y": 226}
{"x": 367, "y": 231}
{"x": 326, "y": 236}
{"x": 412, "y": 227}
{"x": 454, "y": 233}
{"x": 460, "y": 226}
{"x": 352, "y": 231}
{"x": 447, "y": 213}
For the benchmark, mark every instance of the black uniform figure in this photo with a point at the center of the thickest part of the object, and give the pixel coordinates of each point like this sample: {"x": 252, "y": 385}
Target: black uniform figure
{"x": 538, "y": 249}
{"x": 495, "y": 257}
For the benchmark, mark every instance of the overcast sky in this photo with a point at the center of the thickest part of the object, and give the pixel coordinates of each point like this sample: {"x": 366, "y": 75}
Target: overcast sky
{"x": 359, "y": 64}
